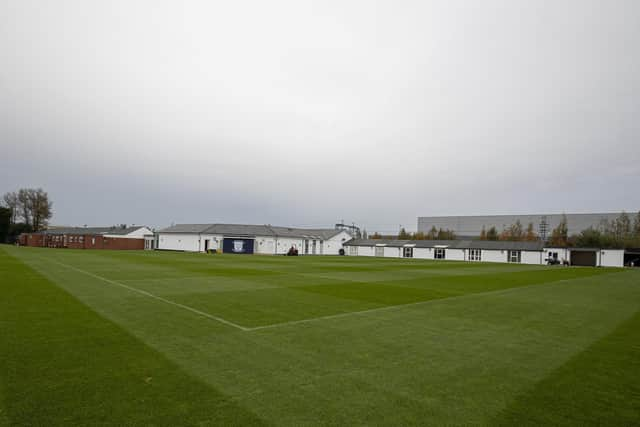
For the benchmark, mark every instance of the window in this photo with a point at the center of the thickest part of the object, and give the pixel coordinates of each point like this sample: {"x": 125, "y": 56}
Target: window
{"x": 407, "y": 253}
{"x": 474, "y": 255}
{"x": 379, "y": 250}
{"x": 438, "y": 253}
{"x": 514, "y": 256}
{"x": 353, "y": 250}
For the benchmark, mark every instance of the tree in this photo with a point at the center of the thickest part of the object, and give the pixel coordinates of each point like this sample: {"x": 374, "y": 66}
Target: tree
{"x": 11, "y": 201}
{"x": 622, "y": 227}
{"x": 492, "y": 234}
{"x": 418, "y": 236}
{"x": 445, "y": 235}
{"x": 23, "y": 205}
{"x": 589, "y": 238}
{"x": 619, "y": 233}
{"x": 530, "y": 235}
{"x": 403, "y": 235}
{"x": 376, "y": 235}
{"x": 513, "y": 232}
{"x": 40, "y": 208}
{"x": 31, "y": 206}
{"x": 559, "y": 235}
{"x": 483, "y": 234}
{"x": 5, "y": 224}
{"x": 17, "y": 229}
{"x": 432, "y": 234}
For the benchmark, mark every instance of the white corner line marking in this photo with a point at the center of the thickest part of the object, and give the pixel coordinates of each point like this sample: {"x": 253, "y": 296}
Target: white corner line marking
{"x": 149, "y": 294}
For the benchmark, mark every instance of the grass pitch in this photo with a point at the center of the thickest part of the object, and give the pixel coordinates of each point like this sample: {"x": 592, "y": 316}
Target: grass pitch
{"x": 158, "y": 338}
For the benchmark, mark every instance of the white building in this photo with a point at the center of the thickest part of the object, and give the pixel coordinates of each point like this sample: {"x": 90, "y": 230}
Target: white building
{"x": 484, "y": 251}
{"x": 593, "y": 257}
{"x": 248, "y": 239}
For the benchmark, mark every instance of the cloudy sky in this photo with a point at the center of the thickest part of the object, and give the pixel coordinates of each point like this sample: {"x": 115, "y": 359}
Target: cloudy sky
{"x": 305, "y": 113}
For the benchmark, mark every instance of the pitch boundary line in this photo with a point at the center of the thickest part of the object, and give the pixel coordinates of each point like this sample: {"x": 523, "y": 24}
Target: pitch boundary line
{"x": 412, "y": 304}
{"x": 376, "y": 309}
{"x": 149, "y": 294}
{"x": 312, "y": 319}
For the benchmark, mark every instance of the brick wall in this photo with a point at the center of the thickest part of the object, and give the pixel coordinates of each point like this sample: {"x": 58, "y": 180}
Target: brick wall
{"x": 76, "y": 241}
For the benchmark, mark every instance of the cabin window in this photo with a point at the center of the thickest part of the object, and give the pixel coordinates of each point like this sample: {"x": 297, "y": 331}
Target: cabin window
{"x": 514, "y": 256}
{"x": 407, "y": 253}
{"x": 475, "y": 255}
{"x": 438, "y": 253}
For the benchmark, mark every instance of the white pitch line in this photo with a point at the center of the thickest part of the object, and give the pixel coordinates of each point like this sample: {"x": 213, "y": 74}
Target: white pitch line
{"x": 315, "y": 319}
{"x": 399, "y": 306}
{"x": 148, "y": 294}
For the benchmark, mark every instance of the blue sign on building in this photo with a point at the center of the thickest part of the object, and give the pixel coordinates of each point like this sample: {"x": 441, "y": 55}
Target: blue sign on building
{"x": 237, "y": 246}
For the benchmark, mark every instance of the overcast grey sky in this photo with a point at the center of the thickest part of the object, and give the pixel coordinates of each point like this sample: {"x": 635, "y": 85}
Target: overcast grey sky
{"x": 305, "y": 113}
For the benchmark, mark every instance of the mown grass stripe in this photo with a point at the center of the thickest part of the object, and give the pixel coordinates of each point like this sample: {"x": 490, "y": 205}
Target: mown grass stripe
{"x": 598, "y": 386}
{"x": 63, "y": 364}
{"x": 150, "y": 295}
{"x": 413, "y": 304}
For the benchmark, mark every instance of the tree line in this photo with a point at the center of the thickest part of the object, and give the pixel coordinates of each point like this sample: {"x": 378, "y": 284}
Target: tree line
{"x": 24, "y": 211}
{"x": 433, "y": 234}
{"x": 515, "y": 233}
{"x": 620, "y": 233}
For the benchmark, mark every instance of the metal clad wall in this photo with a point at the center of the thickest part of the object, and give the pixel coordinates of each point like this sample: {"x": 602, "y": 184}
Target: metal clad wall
{"x": 472, "y": 225}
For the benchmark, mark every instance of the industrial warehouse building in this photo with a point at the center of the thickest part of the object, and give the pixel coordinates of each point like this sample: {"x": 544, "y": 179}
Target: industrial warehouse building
{"x": 249, "y": 239}
{"x": 485, "y": 251}
{"x": 471, "y": 226}
{"x": 117, "y": 238}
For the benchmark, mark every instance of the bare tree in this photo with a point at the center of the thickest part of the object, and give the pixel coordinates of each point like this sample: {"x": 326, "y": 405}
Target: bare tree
{"x": 11, "y": 201}
{"x": 40, "y": 208}
{"x": 23, "y": 205}
{"x": 31, "y": 206}
{"x": 559, "y": 235}
{"x": 530, "y": 234}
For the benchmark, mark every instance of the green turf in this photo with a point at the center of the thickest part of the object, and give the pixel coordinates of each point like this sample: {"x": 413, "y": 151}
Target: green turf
{"x": 99, "y": 337}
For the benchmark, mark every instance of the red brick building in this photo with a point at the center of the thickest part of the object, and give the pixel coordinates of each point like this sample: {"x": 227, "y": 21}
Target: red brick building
{"x": 116, "y": 238}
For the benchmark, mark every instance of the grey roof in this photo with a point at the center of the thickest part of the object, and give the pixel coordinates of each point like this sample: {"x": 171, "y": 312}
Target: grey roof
{"x": 506, "y": 245}
{"x": 316, "y": 233}
{"x": 92, "y": 230}
{"x": 454, "y": 244}
{"x": 186, "y": 228}
{"x": 240, "y": 230}
{"x": 250, "y": 230}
